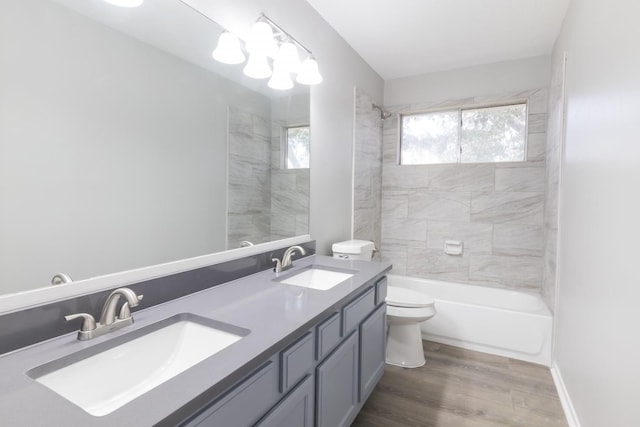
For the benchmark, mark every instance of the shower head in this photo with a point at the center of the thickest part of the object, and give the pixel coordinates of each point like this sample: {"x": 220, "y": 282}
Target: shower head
{"x": 383, "y": 114}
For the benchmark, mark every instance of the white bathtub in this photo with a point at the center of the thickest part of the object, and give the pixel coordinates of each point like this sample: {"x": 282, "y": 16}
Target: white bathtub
{"x": 497, "y": 321}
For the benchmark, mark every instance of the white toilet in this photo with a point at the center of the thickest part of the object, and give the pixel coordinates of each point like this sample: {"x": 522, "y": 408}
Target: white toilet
{"x": 353, "y": 249}
{"x": 406, "y": 309}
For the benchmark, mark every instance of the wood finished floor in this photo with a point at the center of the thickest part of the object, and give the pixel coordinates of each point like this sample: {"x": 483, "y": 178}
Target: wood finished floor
{"x": 463, "y": 388}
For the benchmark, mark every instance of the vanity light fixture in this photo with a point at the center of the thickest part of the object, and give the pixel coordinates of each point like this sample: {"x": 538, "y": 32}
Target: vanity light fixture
{"x": 280, "y": 79}
{"x": 125, "y": 3}
{"x": 257, "y": 67}
{"x": 309, "y": 74}
{"x": 267, "y": 41}
{"x": 287, "y": 57}
{"x": 228, "y": 50}
{"x": 261, "y": 40}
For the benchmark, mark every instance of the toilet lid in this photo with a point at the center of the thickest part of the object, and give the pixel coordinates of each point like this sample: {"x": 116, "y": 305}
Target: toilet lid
{"x": 401, "y": 297}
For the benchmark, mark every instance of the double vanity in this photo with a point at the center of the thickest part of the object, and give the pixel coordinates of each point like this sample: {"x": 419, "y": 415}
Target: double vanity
{"x": 302, "y": 347}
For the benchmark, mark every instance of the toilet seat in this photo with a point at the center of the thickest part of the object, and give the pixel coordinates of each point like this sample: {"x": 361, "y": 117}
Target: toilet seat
{"x": 402, "y": 297}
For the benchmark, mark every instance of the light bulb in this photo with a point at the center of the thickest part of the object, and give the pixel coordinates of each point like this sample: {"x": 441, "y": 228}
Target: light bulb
{"x": 261, "y": 40}
{"x": 257, "y": 67}
{"x": 280, "y": 80}
{"x": 228, "y": 49}
{"x": 287, "y": 58}
{"x": 309, "y": 74}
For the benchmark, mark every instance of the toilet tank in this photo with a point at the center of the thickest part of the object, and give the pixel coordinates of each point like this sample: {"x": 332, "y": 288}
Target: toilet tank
{"x": 353, "y": 249}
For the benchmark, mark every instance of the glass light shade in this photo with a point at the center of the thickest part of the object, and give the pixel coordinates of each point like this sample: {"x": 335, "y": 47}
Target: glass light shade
{"x": 125, "y": 3}
{"x": 280, "y": 80}
{"x": 261, "y": 40}
{"x": 228, "y": 49}
{"x": 257, "y": 67}
{"x": 287, "y": 58}
{"x": 308, "y": 73}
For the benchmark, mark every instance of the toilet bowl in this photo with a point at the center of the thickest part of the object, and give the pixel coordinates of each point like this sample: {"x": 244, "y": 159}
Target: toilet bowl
{"x": 406, "y": 309}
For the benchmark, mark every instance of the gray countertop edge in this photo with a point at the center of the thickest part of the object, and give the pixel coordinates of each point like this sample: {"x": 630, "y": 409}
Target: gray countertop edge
{"x": 276, "y": 314}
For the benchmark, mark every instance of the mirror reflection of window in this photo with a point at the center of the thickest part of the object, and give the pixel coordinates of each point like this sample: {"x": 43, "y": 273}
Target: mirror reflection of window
{"x": 297, "y": 147}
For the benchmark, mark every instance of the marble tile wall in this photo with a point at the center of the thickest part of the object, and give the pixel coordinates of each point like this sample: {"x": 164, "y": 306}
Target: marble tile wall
{"x": 289, "y": 189}
{"x": 265, "y": 202}
{"x": 367, "y": 170}
{"x": 249, "y": 178}
{"x": 496, "y": 209}
{"x": 555, "y": 130}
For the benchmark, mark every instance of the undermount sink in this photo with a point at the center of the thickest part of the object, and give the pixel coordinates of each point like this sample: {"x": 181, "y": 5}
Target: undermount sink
{"x": 317, "y": 277}
{"x": 105, "y": 377}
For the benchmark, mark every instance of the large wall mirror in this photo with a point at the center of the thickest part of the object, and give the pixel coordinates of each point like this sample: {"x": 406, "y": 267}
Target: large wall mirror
{"x": 123, "y": 144}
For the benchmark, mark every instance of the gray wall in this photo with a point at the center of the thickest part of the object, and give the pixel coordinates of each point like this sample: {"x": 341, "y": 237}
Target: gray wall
{"x": 490, "y": 79}
{"x": 121, "y": 170}
{"x": 367, "y": 198}
{"x": 597, "y": 347}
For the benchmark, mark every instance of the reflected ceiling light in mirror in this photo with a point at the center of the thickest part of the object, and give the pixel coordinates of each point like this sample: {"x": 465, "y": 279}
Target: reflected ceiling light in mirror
{"x": 309, "y": 73}
{"x": 261, "y": 40}
{"x": 280, "y": 80}
{"x": 125, "y": 3}
{"x": 257, "y": 67}
{"x": 228, "y": 50}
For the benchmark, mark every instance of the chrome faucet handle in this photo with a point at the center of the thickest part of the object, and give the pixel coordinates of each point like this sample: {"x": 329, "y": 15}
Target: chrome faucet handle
{"x": 288, "y": 255}
{"x": 125, "y": 311}
{"x": 108, "y": 315}
{"x": 278, "y": 267}
{"x": 88, "y": 322}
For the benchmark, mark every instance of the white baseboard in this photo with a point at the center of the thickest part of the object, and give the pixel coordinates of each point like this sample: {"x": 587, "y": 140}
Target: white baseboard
{"x": 565, "y": 400}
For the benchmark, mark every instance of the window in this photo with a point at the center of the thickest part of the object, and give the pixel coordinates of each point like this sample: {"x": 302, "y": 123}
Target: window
{"x": 473, "y": 135}
{"x": 297, "y": 147}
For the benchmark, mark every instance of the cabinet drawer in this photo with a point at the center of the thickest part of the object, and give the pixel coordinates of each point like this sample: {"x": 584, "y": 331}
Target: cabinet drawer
{"x": 328, "y": 336}
{"x": 246, "y": 403}
{"x": 296, "y": 361}
{"x": 354, "y": 312}
{"x": 381, "y": 290}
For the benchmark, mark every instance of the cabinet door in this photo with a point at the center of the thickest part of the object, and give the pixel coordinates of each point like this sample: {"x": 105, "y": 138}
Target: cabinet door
{"x": 245, "y": 403}
{"x": 295, "y": 410}
{"x": 373, "y": 334}
{"x": 337, "y": 385}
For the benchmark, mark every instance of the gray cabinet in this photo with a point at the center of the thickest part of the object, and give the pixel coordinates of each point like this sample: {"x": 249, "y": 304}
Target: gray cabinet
{"x": 337, "y": 385}
{"x": 322, "y": 377}
{"x": 295, "y": 410}
{"x": 245, "y": 403}
{"x": 373, "y": 338}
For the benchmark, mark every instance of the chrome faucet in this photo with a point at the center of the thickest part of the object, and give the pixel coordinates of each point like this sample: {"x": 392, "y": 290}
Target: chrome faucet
{"x": 287, "y": 262}
{"x": 108, "y": 320}
{"x": 61, "y": 279}
{"x": 108, "y": 315}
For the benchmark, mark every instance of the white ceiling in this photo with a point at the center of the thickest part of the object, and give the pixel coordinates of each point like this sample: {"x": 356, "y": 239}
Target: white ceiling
{"x": 400, "y": 38}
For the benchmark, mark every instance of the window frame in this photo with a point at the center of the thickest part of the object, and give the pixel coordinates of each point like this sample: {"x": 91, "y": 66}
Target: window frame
{"x": 285, "y": 144}
{"x": 459, "y": 109}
